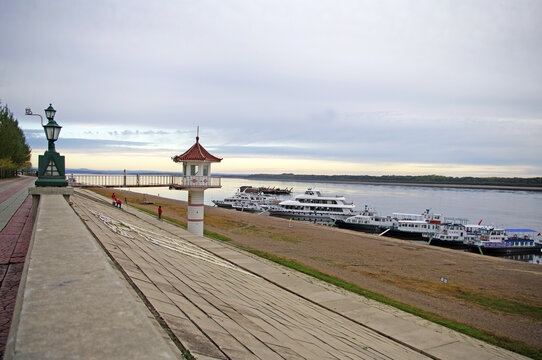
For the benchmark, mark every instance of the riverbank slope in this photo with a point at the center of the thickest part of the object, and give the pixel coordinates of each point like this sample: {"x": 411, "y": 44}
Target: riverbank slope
{"x": 500, "y": 296}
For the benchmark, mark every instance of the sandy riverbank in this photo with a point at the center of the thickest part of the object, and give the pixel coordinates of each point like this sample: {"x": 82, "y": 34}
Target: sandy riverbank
{"x": 501, "y": 296}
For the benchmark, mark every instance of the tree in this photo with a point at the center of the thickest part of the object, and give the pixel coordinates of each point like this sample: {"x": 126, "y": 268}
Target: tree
{"x": 14, "y": 151}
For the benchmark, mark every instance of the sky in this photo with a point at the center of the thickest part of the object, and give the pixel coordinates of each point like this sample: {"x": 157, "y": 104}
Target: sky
{"x": 372, "y": 87}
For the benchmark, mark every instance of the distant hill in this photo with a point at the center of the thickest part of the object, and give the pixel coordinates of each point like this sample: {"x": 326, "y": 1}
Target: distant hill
{"x": 405, "y": 179}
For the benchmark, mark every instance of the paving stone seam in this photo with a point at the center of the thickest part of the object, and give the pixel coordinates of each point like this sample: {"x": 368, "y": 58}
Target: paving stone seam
{"x": 140, "y": 292}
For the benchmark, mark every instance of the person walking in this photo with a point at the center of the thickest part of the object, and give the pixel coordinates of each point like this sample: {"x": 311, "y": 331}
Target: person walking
{"x": 159, "y": 212}
{"x": 114, "y": 199}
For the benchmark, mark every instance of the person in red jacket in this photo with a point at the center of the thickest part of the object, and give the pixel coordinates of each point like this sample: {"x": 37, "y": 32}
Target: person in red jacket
{"x": 159, "y": 212}
{"x": 114, "y": 199}
{"x": 119, "y": 203}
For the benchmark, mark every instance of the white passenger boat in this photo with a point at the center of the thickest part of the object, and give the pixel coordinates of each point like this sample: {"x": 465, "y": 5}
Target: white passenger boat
{"x": 413, "y": 226}
{"x": 245, "y": 201}
{"x": 450, "y": 235}
{"x": 313, "y": 206}
{"x": 399, "y": 225}
{"x": 255, "y": 202}
{"x": 367, "y": 221}
{"x": 491, "y": 240}
{"x": 230, "y": 200}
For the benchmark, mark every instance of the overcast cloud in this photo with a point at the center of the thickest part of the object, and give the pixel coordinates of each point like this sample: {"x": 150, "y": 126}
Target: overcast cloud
{"x": 422, "y": 82}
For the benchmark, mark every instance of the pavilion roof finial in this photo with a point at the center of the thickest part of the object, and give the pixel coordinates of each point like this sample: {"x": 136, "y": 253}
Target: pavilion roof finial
{"x": 196, "y": 153}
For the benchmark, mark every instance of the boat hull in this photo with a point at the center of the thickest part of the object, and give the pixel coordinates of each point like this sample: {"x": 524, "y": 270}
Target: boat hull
{"x": 404, "y": 235}
{"x": 372, "y": 229}
{"x": 506, "y": 250}
{"x": 222, "y": 205}
{"x": 459, "y": 244}
{"x": 308, "y": 216}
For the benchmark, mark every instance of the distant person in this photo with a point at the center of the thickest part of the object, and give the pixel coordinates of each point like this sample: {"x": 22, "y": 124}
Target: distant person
{"x": 119, "y": 203}
{"x": 159, "y": 212}
{"x": 114, "y": 199}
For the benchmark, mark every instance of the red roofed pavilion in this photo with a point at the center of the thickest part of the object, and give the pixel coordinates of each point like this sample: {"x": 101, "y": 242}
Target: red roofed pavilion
{"x": 196, "y": 178}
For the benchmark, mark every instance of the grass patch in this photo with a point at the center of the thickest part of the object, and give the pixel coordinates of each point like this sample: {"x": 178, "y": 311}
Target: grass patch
{"x": 216, "y": 236}
{"x": 321, "y": 259}
{"x": 503, "y": 305}
{"x": 285, "y": 238}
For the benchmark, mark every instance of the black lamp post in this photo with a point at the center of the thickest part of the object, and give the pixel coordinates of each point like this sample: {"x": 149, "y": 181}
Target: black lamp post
{"x": 51, "y": 169}
{"x": 52, "y": 129}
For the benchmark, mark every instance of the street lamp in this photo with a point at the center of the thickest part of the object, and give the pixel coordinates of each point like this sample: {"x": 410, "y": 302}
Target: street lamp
{"x": 51, "y": 169}
{"x": 52, "y": 129}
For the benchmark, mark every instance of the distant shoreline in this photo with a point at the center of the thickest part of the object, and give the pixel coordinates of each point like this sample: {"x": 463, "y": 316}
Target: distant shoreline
{"x": 530, "y": 184}
{"x": 459, "y": 186}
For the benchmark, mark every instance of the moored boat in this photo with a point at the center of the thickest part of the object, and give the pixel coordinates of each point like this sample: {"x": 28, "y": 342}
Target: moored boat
{"x": 450, "y": 235}
{"x": 229, "y": 201}
{"x": 367, "y": 221}
{"x": 497, "y": 241}
{"x": 313, "y": 206}
{"x": 246, "y": 201}
{"x": 266, "y": 190}
{"x": 414, "y": 226}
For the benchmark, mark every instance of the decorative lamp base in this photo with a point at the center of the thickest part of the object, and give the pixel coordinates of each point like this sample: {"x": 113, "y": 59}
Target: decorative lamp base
{"x": 50, "y": 181}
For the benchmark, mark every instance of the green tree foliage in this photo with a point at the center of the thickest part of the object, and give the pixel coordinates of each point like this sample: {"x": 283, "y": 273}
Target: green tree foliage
{"x": 14, "y": 151}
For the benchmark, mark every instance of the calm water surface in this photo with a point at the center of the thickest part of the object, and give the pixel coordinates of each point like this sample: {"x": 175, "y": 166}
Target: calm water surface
{"x": 502, "y": 208}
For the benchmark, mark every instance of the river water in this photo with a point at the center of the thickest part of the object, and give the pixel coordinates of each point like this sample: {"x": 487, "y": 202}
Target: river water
{"x": 502, "y": 208}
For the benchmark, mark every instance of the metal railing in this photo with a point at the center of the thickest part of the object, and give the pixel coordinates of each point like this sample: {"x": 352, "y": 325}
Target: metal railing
{"x": 143, "y": 180}
{"x": 198, "y": 181}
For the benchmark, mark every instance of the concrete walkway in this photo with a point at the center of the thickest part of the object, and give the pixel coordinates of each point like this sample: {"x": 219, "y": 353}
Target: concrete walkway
{"x": 222, "y": 303}
{"x": 73, "y": 303}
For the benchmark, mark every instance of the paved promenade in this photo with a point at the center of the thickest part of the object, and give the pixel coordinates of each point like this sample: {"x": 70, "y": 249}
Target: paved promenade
{"x": 13, "y": 192}
{"x": 222, "y": 303}
{"x": 15, "y": 234}
{"x": 72, "y": 301}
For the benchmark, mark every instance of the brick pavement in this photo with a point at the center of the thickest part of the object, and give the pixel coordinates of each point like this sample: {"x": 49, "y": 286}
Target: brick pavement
{"x": 14, "y": 241}
{"x": 12, "y": 194}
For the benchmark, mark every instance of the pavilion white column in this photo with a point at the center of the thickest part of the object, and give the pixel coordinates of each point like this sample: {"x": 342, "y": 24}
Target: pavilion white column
{"x": 195, "y": 211}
